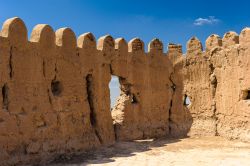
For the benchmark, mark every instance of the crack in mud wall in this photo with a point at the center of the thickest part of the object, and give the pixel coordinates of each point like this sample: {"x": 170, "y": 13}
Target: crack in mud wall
{"x": 90, "y": 96}
{"x": 10, "y": 63}
{"x": 173, "y": 87}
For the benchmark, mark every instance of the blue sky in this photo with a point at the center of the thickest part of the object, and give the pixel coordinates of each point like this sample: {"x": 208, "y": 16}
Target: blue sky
{"x": 171, "y": 21}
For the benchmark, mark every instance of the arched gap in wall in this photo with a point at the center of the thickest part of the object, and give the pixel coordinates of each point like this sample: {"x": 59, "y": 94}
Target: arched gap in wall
{"x": 114, "y": 87}
{"x": 187, "y": 101}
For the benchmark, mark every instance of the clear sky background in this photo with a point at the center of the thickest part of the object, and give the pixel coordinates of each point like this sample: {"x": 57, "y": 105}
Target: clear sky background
{"x": 171, "y": 21}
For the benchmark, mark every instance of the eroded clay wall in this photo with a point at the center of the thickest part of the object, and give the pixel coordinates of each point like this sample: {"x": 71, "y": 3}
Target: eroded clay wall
{"x": 217, "y": 82}
{"x": 192, "y": 73}
{"x": 56, "y": 100}
{"x": 55, "y": 96}
{"x": 53, "y": 100}
{"x": 232, "y": 65}
{"x": 142, "y": 110}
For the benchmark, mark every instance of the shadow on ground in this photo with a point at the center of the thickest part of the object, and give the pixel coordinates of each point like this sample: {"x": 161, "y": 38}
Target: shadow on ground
{"x": 105, "y": 154}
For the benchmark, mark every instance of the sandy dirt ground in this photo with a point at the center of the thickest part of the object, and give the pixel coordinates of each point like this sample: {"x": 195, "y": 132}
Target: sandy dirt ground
{"x": 210, "y": 151}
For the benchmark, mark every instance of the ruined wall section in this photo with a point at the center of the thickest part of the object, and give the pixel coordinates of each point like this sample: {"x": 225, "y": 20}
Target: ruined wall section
{"x": 216, "y": 81}
{"x": 231, "y": 61}
{"x": 142, "y": 108}
{"x": 50, "y": 104}
{"x": 55, "y": 93}
{"x": 192, "y": 80}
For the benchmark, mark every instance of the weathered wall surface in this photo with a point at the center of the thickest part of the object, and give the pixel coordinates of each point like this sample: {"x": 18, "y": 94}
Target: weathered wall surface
{"x": 53, "y": 100}
{"x": 232, "y": 65}
{"x": 192, "y": 79}
{"x": 55, "y": 96}
{"x": 142, "y": 109}
{"x": 217, "y": 82}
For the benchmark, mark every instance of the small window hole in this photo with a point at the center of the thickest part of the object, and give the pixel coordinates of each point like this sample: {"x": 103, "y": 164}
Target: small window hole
{"x": 246, "y": 95}
{"x": 133, "y": 99}
{"x": 5, "y": 96}
{"x": 187, "y": 101}
{"x": 56, "y": 88}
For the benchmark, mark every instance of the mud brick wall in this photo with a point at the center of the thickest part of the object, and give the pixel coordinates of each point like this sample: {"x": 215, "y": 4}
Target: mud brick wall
{"x": 55, "y": 98}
